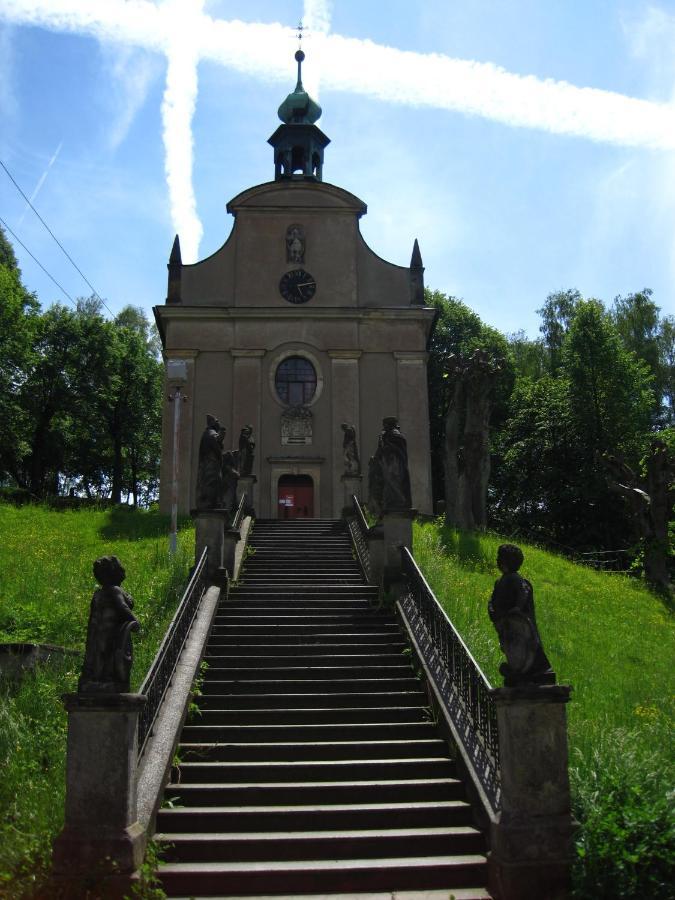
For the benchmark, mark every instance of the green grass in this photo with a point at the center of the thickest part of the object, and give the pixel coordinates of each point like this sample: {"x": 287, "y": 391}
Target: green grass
{"x": 46, "y": 584}
{"x": 614, "y": 642}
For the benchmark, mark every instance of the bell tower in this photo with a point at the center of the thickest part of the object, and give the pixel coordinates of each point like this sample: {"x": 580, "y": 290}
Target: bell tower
{"x": 298, "y": 143}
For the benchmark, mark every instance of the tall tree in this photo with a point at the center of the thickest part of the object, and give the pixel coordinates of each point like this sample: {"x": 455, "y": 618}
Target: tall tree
{"x": 556, "y": 315}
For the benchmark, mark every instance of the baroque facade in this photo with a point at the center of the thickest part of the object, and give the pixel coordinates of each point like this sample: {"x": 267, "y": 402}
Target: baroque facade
{"x": 295, "y": 326}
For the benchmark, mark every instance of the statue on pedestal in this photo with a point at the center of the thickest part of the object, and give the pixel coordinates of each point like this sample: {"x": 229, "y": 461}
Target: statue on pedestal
{"x": 246, "y": 448}
{"x": 108, "y": 652}
{"x": 210, "y": 466}
{"x": 511, "y": 609}
{"x": 392, "y": 457}
{"x": 350, "y": 451}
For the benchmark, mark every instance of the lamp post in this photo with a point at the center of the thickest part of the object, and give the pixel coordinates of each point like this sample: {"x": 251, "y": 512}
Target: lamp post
{"x": 176, "y": 373}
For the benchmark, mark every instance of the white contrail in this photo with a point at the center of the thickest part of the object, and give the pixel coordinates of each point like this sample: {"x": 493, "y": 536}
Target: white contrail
{"x": 371, "y": 69}
{"x": 185, "y": 34}
{"x": 178, "y": 106}
{"x": 41, "y": 181}
{"x": 316, "y": 18}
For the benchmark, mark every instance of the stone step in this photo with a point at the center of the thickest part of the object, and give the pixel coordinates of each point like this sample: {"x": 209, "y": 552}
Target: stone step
{"x": 331, "y": 733}
{"x": 313, "y": 716}
{"x": 320, "y": 792}
{"x": 457, "y": 894}
{"x": 302, "y": 877}
{"x": 325, "y": 700}
{"x": 232, "y": 618}
{"x": 299, "y": 672}
{"x": 314, "y": 751}
{"x": 300, "y": 817}
{"x": 310, "y": 684}
{"x": 357, "y": 844}
{"x": 223, "y": 635}
{"x": 312, "y": 771}
{"x": 222, "y": 656}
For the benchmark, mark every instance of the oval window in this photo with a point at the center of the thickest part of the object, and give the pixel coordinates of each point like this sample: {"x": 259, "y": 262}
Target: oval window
{"x": 295, "y": 381}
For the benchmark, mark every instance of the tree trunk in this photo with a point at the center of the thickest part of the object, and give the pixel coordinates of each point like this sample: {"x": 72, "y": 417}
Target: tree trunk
{"x": 453, "y": 423}
{"x": 117, "y": 471}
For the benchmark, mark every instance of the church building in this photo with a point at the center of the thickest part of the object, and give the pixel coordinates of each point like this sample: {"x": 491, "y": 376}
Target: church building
{"x": 294, "y": 327}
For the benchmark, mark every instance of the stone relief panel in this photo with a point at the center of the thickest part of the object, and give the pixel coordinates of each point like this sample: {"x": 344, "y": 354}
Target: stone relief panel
{"x": 296, "y": 425}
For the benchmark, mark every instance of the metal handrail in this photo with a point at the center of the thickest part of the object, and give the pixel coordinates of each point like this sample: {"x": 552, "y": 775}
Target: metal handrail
{"x": 240, "y": 514}
{"x": 358, "y": 527}
{"x": 159, "y": 678}
{"x": 464, "y": 689}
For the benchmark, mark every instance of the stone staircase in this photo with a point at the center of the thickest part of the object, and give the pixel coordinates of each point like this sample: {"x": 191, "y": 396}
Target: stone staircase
{"x": 313, "y": 766}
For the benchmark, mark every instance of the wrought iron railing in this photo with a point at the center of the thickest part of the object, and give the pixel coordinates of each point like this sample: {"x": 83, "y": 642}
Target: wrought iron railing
{"x": 358, "y": 527}
{"x": 164, "y": 665}
{"x": 240, "y": 513}
{"x": 465, "y": 690}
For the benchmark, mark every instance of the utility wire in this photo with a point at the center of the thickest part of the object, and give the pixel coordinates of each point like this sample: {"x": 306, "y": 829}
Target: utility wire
{"x": 68, "y": 256}
{"x": 19, "y": 241}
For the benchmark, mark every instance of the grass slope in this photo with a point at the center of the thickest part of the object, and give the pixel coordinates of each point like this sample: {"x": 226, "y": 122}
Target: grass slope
{"x": 614, "y": 642}
{"x": 46, "y": 584}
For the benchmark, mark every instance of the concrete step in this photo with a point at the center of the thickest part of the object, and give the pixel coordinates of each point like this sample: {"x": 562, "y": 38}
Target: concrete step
{"x": 298, "y": 845}
{"x": 313, "y": 751}
{"x": 219, "y": 878}
{"x": 299, "y": 817}
{"x": 443, "y": 894}
{"x": 319, "y": 792}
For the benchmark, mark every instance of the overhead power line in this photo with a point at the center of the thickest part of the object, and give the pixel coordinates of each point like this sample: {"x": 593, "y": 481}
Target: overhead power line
{"x": 58, "y": 242}
{"x": 48, "y": 274}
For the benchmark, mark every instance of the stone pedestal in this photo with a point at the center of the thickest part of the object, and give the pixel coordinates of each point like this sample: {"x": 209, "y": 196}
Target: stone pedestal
{"x": 246, "y": 485}
{"x": 351, "y": 485}
{"x": 101, "y": 837}
{"x": 397, "y": 533}
{"x": 210, "y": 525}
{"x": 531, "y": 841}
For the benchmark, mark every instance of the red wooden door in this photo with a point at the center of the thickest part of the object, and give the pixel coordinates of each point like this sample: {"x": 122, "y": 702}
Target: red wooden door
{"x": 296, "y": 497}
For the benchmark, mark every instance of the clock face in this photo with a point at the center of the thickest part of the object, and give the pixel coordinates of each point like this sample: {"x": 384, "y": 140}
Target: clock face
{"x": 297, "y": 286}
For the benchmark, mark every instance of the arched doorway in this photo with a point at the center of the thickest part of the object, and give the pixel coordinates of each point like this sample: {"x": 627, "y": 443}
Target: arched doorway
{"x": 295, "y": 497}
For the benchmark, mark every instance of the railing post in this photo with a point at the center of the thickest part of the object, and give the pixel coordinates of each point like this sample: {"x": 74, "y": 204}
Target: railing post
{"x": 376, "y": 553}
{"x": 101, "y": 838}
{"x": 531, "y": 838}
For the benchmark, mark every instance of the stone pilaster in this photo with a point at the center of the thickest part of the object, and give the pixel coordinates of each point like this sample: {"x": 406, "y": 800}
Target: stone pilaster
{"x": 413, "y": 417}
{"x": 345, "y": 408}
{"x": 247, "y": 399}
{"x": 531, "y": 840}
{"x": 351, "y": 486}
{"x": 397, "y": 527}
{"x": 185, "y": 433}
{"x": 246, "y": 485}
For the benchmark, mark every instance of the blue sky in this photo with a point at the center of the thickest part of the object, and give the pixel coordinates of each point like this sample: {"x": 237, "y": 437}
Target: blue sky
{"x": 528, "y": 144}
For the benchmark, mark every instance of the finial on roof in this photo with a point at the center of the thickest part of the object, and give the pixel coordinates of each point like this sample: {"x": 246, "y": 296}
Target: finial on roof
{"x": 175, "y": 258}
{"x": 299, "y": 108}
{"x": 416, "y": 258}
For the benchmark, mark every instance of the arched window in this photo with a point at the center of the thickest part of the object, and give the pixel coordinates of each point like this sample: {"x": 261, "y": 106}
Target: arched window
{"x": 295, "y": 381}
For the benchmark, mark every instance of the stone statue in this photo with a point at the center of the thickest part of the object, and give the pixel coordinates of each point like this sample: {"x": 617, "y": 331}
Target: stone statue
{"x": 388, "y": 470}
{"x": 350, "y": 451}
{"x": 108, "y": 652}
{"x": 246, "y": 448}
{"x": 230, "y": 480}
{"x": 210, "y": 467}
{"x": 650, "y": 501}
{"x": 467, "y": 437}
{"x": 295, "y": 244}
{"x": 511, "y": 609}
